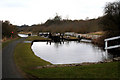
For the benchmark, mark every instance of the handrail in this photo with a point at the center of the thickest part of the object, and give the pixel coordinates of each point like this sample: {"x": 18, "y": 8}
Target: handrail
{"x": 113, "y": 38}
{"x": 111, "y": 47}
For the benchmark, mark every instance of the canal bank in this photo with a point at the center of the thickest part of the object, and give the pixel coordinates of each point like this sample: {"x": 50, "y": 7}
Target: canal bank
{"x": 26, "y": 60}
{"x": 117, "y": 59}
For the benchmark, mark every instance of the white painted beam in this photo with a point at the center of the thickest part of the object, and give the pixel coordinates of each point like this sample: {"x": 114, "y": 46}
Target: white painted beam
{"x": 111, "y": 47}
{"x": 113, "y": 38}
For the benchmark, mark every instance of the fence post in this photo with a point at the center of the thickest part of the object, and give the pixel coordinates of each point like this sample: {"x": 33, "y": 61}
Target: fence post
{"x": 106, "y": 44}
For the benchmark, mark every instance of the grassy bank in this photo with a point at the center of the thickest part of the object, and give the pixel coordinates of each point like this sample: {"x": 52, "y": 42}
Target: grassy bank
{"x": 97, "y": 33}
{"x": 31, "y": 38}
{"x": 26, "y": 60}
{"x": 106, "y": 70}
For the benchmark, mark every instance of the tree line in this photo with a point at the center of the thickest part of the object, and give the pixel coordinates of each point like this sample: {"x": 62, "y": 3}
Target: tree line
{"x": 8, "y": 30}
{"x": 59, "y": 25}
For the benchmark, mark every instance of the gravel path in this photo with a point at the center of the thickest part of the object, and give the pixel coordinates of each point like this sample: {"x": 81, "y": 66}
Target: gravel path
{"x": 9, "y": 69}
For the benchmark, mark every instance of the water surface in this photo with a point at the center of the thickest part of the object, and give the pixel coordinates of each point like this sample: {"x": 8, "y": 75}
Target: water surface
{"x": 69, "y": 52}
{"x": 23, "y": 35}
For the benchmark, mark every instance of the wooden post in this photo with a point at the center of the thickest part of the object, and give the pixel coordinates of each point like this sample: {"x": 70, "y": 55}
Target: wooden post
{"x": 106, "y": 47}
{"x": 106, "y": 51}
{"x": 106, "y": 44}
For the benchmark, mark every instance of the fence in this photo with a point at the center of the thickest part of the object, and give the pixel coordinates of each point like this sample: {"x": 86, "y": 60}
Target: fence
{"x": 111, "y": 47}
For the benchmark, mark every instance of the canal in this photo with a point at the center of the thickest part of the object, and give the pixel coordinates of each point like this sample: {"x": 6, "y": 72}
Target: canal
{"x": 69, "y": 52}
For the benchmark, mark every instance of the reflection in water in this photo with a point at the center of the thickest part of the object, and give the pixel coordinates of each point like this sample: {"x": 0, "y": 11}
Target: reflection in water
{"x": 69, "y": 52}
{"x": 23, "y": 35}
{"x": 27, "y": 41}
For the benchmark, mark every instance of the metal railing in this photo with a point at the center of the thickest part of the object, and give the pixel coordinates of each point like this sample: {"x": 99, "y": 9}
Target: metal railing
{"x": 109, "y": 39}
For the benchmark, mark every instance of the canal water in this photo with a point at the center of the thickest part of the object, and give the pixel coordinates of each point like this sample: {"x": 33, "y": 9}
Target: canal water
{"x": 23, "y": 35}
{"x": 69, "y": 52}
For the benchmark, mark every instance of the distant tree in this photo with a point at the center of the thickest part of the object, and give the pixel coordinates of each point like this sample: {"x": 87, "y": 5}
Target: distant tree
{"x": 25, "y": 25}
{"x": 57, "y": 18}
{"x": 87, "y": 18}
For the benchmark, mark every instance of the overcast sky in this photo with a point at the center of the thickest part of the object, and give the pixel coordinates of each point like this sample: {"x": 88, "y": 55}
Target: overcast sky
{"x": 30, "y": 12}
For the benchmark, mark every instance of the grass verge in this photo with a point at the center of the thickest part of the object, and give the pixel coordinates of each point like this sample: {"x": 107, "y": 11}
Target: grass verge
{"x": 26, "y": 60}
